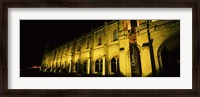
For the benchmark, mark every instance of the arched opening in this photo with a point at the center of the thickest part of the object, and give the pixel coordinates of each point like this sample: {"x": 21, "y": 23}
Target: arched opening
{"x": 76, "y": 66}
{"x": 115, "y": 65}
{"x": 85, "y": 66}
{"x": 169, "y": 53}
{"x": 98, "y": 65}
{"x": 99, "y": 40}
{"x": 115, "y": 35}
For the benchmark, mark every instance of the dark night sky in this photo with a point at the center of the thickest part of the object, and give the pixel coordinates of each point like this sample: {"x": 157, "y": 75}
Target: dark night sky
{"x": 35, "y": 34}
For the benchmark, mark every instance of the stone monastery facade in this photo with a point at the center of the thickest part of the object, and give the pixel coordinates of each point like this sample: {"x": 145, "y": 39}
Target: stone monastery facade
{"x": 131, "y": 48}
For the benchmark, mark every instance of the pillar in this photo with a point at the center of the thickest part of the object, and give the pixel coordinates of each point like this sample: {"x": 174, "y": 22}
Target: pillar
{"x": 103, "y": 67}
{"x": 70, "y": 66}
{"x": 88, "y": 66}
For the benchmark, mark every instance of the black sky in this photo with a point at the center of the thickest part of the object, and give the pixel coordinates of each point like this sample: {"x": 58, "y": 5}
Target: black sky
{"x": 36, "y": 34}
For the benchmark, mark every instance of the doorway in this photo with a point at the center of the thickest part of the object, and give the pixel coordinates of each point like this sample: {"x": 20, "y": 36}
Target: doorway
{"x": 170, "y": 57}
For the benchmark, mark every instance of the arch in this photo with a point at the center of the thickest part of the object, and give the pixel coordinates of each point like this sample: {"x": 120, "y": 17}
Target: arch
{"x": 85, "y": 59}
{"x": 99, "y": 40}
{"x": 85, "y": 64}
{"x": 98, "y": 65}
{"x": 115, "y": 35}
{"x": 77, "y": 65}
{"x": 167, "y": 40}
{"x": 115, "y": 54}
{"x": 169, "y": 56}
{"x": 115, "y": 65}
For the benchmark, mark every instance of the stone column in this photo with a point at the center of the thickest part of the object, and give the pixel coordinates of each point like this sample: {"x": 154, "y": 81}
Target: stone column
{"x": 88, "y": 66}
{"x": 103, "y": 67}
{"x": 70, "y": 66}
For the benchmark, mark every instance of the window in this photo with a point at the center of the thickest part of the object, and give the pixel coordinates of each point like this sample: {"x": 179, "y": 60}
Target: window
{"x": 115, "y": 65}
{"x": 85, "y": 66}
{"x": 115, "y": 35}
{"x": 99, "y": 40}
{"x": 76, "y": 66}
{"x": 98, "y": 65}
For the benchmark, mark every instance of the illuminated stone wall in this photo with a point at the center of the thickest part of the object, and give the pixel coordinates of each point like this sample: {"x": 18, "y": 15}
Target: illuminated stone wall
{"x": 160, "y": 31}
{"x": 106, "y": 50}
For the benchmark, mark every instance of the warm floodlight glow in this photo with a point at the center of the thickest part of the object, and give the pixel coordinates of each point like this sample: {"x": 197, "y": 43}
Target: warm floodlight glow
{"x": 128, "y": 48}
